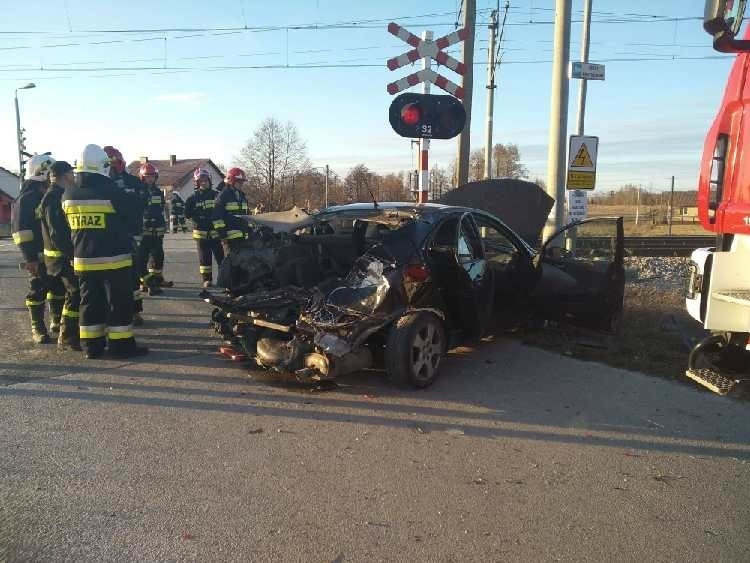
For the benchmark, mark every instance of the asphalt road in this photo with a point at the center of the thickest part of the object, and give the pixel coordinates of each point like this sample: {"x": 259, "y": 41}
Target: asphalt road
{"x": 515, "y": 454}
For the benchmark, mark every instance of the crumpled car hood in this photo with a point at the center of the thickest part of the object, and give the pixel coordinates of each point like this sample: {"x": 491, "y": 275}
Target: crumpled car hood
{"x": 283, "y": 221}
{"x": 521, "y": 205}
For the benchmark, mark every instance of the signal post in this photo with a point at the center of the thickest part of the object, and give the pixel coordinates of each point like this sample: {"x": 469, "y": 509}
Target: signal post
{"x": 426, "y": 116}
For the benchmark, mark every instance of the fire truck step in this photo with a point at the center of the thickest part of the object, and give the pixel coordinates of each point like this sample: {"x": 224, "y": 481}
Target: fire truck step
{"x": 736, "y": 296}
{"x": 712, "y": 380}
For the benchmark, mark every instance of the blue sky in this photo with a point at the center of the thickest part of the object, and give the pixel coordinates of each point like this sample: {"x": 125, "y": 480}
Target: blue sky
{"x": 166, "y": 93}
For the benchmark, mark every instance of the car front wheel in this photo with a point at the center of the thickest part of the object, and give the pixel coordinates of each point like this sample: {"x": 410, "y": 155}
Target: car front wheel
{"x": 415, "y": 347}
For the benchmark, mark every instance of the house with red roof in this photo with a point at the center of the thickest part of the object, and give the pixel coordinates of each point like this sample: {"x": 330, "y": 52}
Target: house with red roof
{"x": 9, "y": 187}
{"x": 176, "y": 175}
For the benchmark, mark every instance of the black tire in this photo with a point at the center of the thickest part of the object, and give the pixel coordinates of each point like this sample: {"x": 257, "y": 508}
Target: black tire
{"x": 416, "y": 344}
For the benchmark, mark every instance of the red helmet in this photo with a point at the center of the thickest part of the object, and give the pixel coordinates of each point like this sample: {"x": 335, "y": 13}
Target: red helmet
{"x": 235, "y": 175}
{"x": 146, "y": 169}
{"x": 200, "y": 172}
{"x": 116, "y": 162}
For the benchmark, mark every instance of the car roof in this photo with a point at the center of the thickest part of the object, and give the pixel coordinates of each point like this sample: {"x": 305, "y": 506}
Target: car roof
{"x": 417, "y": 208}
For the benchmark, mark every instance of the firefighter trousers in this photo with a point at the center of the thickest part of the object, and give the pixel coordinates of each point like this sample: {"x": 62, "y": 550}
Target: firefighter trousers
{"x": 150, "y": 260}
{"x": 107, "y": 310}
{"x": 208, "y": 249}
{"x": 136, "y": 278}
{"x": 178, "y": 222}
{"x": 41, "y": 287}
{"x": 71, "y": 306}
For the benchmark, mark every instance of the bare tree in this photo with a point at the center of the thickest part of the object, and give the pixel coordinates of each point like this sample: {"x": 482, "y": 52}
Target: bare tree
{"x": 359, "y": 182}
{"x": 440, "y": 182}
{"x": 506, "y": 161}
{"x": 273, "y": 156}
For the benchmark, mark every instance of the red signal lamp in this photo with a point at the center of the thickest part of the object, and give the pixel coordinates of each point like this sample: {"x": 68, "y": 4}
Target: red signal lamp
{"x": 411, "y": 114}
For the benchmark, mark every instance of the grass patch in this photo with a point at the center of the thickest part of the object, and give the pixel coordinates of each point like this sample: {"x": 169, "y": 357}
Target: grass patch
{"x": 654, "y": 338}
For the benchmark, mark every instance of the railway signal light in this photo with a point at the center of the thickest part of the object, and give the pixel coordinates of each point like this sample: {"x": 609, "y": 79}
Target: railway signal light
{"x": 427, "y": 116}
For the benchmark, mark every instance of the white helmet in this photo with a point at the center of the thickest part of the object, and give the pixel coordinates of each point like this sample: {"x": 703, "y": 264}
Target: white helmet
{"x": 39, "y": 167}
{"x": 93, "y": 159}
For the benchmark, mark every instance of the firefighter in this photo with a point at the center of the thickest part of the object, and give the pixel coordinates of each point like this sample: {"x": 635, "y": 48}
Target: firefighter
{"x": 177, "y": 213}
{"x": 58, "y": 252}
{"x": 150, "y": 256}
{"x": 137, "y": 195}
{"x": 27, "y": 234}
{"x": 199, "y": 209}
{"x": 100, "y": 219}
{"x": 231, "y": 210}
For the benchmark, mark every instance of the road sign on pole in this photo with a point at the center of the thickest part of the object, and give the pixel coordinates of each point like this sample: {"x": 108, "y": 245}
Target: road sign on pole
{"x": 582, "y": 153}
{"x": 586, "y": 71}
{"x": 577, "y": 205}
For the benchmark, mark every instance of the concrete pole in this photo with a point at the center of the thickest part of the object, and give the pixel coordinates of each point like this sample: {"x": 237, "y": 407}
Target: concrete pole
{"x": 467, "y": 82}
{"x": 556, "y": 159}
{"x": 671, "y": 206}
{"x": 326, "y": 202}
{"x": 490, "y": 96}
{"x": 582, "y": 84}
{"x": 570, "y": 244}
{"x": 424, "y": 144}
{"x": 18, "y": 141}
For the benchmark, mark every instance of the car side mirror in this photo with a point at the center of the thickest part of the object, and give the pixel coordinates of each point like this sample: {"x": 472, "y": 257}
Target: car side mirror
{"x": 723, "y": 20}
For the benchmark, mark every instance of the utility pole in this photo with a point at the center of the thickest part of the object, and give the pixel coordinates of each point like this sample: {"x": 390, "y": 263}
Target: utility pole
{"x": 490, "y": 96}
{"x": 637, "y": 203}
{"x": 582, "y": 84}
{"x": 326, "y": 202}
{"x": 19, "y": 134}
{"x": 671, "y": 207}
{"x": 558, "y": 130}
{"x": 424, "y": 144}
{"x": 467, "y": 83}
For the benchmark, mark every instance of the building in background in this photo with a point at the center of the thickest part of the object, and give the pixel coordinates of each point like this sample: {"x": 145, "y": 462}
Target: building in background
{"x": 177, "y": 174}
{"x": 9, "y": 187}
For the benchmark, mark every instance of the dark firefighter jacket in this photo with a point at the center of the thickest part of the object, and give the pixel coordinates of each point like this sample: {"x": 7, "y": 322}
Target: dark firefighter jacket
{"x": 229, "y": 209}
{"x": 153, "y": 218}
{"x": 58, "y": 245}
{"x": 25, "y": 220}
{"x": 199, "y": 208}
{"x": 176, "y": 206}
{"x": 136, "y": 201}
{"x": 99, "y": 215}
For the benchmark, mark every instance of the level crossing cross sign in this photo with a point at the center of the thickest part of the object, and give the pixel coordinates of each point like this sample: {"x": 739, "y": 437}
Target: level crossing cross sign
{"x": 432, "y": 49}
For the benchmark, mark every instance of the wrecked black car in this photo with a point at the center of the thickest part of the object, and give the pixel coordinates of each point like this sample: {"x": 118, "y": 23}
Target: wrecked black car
{"x": 397, "y": 284}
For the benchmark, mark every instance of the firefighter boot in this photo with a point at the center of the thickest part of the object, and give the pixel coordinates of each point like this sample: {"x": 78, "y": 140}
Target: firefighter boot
{"x": 39, "y": 332}
{"x": 69, "y": 338}
{"x": 55, "y": 303}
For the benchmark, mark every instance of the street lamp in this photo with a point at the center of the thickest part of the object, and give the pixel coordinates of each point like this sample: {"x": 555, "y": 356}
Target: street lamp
{"x": 19, "y": 136}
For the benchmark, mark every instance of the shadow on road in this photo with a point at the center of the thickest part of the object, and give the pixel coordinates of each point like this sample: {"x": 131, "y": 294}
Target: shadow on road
{"x": 523, "y": 397}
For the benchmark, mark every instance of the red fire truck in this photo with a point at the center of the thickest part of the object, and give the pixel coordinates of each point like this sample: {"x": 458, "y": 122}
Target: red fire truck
{"x": 719, "y": 289}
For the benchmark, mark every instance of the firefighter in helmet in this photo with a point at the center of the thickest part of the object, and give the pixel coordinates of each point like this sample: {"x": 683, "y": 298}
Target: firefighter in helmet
{"x": 26, "y": 229}
{"x": 177, "y": 213}
{"x": 150, "y": 256}
{"x": 100, "y": 216}
{"x": 137, "y": 195}
{"x": 199, "y": 209}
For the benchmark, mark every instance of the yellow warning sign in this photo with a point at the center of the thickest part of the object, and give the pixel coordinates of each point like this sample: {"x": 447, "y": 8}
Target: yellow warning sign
{"x": 581, "y": 180}
{"x": 582, "y": 159}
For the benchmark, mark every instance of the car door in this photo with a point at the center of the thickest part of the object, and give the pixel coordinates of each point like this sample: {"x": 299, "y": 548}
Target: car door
{"x": 476, "y": 283}
{"x": 511, "y": 262}
{"x": 582, "y": 274}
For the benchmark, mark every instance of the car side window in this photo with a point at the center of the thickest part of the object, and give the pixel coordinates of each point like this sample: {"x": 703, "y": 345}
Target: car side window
{"x": 498, "y": 248}
{"x": 468, "y": 247}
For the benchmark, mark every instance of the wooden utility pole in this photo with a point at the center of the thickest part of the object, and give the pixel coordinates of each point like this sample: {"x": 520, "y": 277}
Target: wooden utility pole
{"x": 467, "y": 83}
